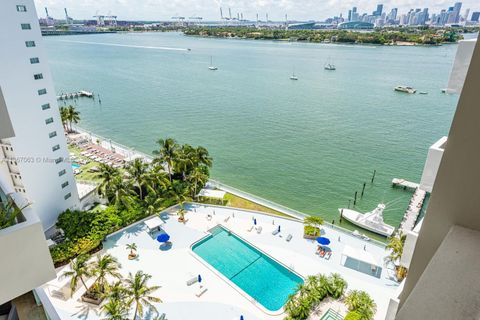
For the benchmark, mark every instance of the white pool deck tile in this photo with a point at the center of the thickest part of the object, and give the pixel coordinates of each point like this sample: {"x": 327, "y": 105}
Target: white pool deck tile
{"x": 173, "y": 267}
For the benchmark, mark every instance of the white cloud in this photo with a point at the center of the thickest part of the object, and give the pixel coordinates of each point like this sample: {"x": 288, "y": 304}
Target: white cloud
{"x": 209, "y": 9}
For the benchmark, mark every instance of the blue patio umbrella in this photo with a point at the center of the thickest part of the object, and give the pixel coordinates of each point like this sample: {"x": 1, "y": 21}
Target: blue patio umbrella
{"x": 163, "y": 238}
{"x": 199, "y": 278}
{"x": 323, "y": 240}
{"x": 254, "y": 221}
{"x": 241, "y": 317}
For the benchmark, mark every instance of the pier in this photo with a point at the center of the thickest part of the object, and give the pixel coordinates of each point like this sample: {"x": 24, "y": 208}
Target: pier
{"x": 73, "y": 95}
{"x": 414, "y": 207}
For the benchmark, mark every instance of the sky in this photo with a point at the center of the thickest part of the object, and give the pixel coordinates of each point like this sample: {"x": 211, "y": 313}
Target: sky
{"x": 210, "y": 9}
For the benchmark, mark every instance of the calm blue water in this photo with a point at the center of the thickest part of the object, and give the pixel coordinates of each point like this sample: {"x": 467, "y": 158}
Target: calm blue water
{"x": 307, "y": 144}
{"x": 258, "y": 275}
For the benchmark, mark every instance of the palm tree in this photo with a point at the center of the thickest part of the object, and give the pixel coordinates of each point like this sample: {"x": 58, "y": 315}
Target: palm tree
{"x": 72, "y": 115}
{"x": 115, "y": 309}
{"x": 9, "y": 213}
{"x": 180, "y": 193}
{"x": 167, "y": 153}
{"x": 336, "y": 285}
{"x": 395, "y": 244}
{"x": 197, "y": 177}
{"x": 120, "y": 193}
{"x": 186, "y": 158}
{"x": 138, "y": 292}
{"x": 104, "y": 266}
{"x": 64, "y": 117}
{"x": 132, "y": 247}
{"x": 153, "y": 203}
{"x": 361, "y": 302}
{"x": 138, "y": 171}
{"x": 79, "y": 269}
{"x": 313, "y": 221}
{"x": 203, "y": 157}
{"x": 106, "y": 174}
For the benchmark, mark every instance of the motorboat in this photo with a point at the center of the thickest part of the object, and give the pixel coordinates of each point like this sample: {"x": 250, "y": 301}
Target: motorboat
{"x": 405, "y": 89}
{"x": 371, "y": 221}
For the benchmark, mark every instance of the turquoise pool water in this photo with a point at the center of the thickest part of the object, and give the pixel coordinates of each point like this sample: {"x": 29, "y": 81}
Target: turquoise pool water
{"x": 75, "y": 166}
{"x": 331, "y": 315}
{"x": 261, "y": 277}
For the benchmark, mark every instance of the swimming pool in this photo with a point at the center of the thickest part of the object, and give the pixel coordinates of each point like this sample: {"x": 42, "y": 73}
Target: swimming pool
{"x": 254, "y": 272}
{"x": 75, "y": 166}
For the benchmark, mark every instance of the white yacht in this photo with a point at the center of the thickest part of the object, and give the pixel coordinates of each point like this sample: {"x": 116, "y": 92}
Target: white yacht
{"x": 212, "y": 67}
{"x": 293, "y": 77}
{"x": 372, "y": 221}
{"x": 329, "y": 65}
{"x": 405, "y": 89}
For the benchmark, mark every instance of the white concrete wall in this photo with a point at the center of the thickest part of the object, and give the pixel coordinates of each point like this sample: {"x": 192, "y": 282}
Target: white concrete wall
{"x": 25, "y": 259}
{"x": 454, "y": 201}
{"x": 31, "y": 145}
{"x": 460, "y": 65}
{"x": 434, "y": 156}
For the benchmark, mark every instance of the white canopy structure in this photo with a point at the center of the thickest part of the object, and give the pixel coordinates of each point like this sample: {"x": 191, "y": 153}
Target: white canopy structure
{"x": 154, "y": 224}
{"x": 359, "y": 255}
{"x": 209, "y": 193}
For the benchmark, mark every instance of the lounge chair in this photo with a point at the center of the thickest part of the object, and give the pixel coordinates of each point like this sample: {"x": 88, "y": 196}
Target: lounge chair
{"x": 226, "y": 219}
{"x": 192, "y": 281}
{"x": 289, "y": 237}
{"x": 163, "y": 316}
{"x": 259, "y": 229}
{"x": 328, "y": 255}
{"x": 250, "y": 229}
{"x": 275, "y": 232}
{"x": 322, "y": 254}
{"x": 201, "y": 291}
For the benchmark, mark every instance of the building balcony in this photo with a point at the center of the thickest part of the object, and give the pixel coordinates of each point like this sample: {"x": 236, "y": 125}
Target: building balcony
{"x": 26, "y": 259}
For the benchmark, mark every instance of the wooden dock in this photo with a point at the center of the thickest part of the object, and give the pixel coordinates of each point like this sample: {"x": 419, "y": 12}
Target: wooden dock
{"x": 414, "y": 207}
{"x": 73, "y": 95}
{"x": 405, "y": 184}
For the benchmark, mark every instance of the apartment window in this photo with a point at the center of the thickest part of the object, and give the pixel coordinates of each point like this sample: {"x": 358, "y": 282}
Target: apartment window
{"x": 65, "y": 184}
{"x": 30, "y": 44}
{"x": 58, "y": 160}
{"x": 46, "y": 106}
{"x": 52, "y": 134}
{"x": 38, "y": 76}
{"x": 26, "y": 26}
{"x": 21, "y": 8}
{"x": 48, "y": 121}
{"x": 34, "y": 60}
{"x": 68, "y": 195}
{"x": 41, "y": 92}
{"x": 62, "y": 172}
{"x": 55, "y": 147}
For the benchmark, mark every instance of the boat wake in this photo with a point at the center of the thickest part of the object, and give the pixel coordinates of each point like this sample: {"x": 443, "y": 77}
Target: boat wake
{"x": 126, "y": 45}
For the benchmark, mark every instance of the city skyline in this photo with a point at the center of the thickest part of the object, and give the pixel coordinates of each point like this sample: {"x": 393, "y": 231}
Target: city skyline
{"x": 210, "y": 9}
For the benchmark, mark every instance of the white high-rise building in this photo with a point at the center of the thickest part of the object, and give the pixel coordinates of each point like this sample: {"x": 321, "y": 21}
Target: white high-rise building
{"x": 34, "y": 159}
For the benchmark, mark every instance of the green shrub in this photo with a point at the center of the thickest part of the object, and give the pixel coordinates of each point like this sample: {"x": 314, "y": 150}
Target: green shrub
{"x": 311, "y": 231}
{"x": 362, "y": 303}
{"x": 353, "y": 315}
{"x": 75, "y": 223}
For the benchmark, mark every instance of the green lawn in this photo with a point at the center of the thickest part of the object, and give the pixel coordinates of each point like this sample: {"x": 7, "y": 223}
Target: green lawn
{"x": 85, "y": 175}
{"x": 238, "y": 202}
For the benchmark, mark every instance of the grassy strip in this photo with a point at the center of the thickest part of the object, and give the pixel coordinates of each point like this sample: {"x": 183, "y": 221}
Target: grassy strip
{"x": 238, "y": 202}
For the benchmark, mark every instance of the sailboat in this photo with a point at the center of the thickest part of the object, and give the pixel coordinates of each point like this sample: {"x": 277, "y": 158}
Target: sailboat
{"x": 212, "y": 67}
{"x": 293, "y": 76}
{"x": 372, "y": 221}
{"x": 329, "y": 65}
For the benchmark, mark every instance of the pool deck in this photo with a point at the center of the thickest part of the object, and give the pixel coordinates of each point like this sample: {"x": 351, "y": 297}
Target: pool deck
{"x": 173, "y": 267}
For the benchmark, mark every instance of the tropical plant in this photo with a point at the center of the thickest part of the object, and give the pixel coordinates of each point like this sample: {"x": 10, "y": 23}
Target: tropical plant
{"x": 362, "y": 303}
{"x": 103, "y": 267}
{"x": 198, "y": 178}
{"x": 115, "y": 309}
{"x": 72, "y": 116}
{"x": 167, "y": 153}
{"x": 153, "y": 203}
{"x": 139, "y": 293}
{"x": 396, "y": 244}
{"x": 64, "y": 117}
{"x": 313, "y": 221}
{"x": 78, "y": 270}
{"x": 120, "y": 193}
{"x": 132, "y": 247}
{"x": 336, "y": 285}
{"x": 138, "y": 172}
{"x": 353, "y": 315}
{"x": 9, "y": 213}
{"x": 180, "y": 193}
{"x": 106, "y": 174}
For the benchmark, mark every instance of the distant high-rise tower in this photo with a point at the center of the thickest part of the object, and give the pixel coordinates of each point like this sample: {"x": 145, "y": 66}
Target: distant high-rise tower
{"x": 475, "y": 16}
{"x": 379, "y": 10}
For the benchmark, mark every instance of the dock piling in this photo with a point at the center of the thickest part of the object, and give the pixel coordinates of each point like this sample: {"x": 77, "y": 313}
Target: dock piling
{"x": 373, "y": 177}
{"x": 363, "y": 190}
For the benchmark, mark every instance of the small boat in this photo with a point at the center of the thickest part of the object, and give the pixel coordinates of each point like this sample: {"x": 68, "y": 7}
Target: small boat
{"x": 212, "y": 67}
{"x": 423, "y": 92}
{"x": 372, "y": 221}
{"x": 293, "y": 76}
{"x": 405, "y": 89}
{"x": 329, "y": 65}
